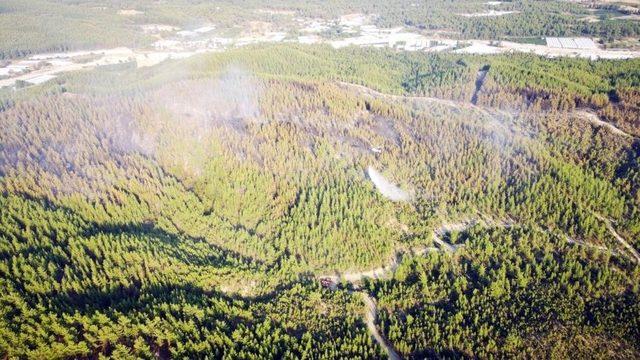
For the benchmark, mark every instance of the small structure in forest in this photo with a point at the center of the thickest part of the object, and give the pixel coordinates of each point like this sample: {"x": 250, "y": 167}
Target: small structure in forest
{"x": 328, "y": 283}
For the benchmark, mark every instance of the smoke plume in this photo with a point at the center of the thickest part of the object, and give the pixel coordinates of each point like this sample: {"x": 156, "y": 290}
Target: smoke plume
{"x": 386, "y": 188}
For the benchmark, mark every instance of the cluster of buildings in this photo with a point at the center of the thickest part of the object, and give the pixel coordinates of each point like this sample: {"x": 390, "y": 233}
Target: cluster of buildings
{"x": 488, "y": 13}
{"x": 347, "y": 30}
{"x": 23, "y": 69}
{"x": 571, "y": 43}
{"x": 18, "y": 68}
{"x": 396, "y": 38}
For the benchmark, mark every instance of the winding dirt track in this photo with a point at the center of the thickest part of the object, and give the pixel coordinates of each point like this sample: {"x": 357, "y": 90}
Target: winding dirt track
{"x": 374, "y": 93}
{"x": 617, "y": 236}
{"x": 384, "y": 271}
{"x": 594, "y": 119}
{"x": 371, "y": 312}
{"x": 580, "y": 113}
{"x": 424, "y": 99}
{"x": 370, "y": 319}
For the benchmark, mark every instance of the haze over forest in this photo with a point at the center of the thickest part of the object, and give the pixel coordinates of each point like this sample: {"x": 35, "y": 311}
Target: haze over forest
{"x": 366, "y": 179}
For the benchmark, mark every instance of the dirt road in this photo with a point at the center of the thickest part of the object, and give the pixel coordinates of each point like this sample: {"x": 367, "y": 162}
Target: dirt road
{"x": 594, "y": 119}
{"x": 374, "y": 93}
{"x": 489, "y": 112}
{"x": 446, "y": 227}
{"x": 371, "y": 314}
{"x": 371, "y": 311}
{"x": 617, "y": 236}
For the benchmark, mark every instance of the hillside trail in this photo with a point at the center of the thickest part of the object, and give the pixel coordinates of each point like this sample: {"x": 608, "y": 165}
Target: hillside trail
{"x": 437, "y": 234}
{"x": 449, "y": 103}
{"x": 489, "y": 113}
{"x": 377, "y": 94}
{"x": 617, "y": 236}
{"x": 371, "y": 314}
{"x": 580, "y": 113}
{"x": 371, "y": 310}
{"x": 595, "y": 119}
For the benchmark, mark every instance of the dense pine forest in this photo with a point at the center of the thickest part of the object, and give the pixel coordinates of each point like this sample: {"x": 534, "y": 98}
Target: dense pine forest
{"x": 188, "y": 210}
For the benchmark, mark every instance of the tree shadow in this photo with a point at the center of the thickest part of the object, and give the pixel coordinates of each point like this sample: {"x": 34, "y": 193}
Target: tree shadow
{"x": 148, "y": 230}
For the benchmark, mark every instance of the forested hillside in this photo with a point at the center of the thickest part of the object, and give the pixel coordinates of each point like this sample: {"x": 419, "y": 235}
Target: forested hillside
{"x": 187, "y": 210}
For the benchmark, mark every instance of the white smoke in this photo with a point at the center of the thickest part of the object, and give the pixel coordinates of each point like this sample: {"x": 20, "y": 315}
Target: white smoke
{"x": 386, "y": 188}
{"x": 230, "y": 99}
